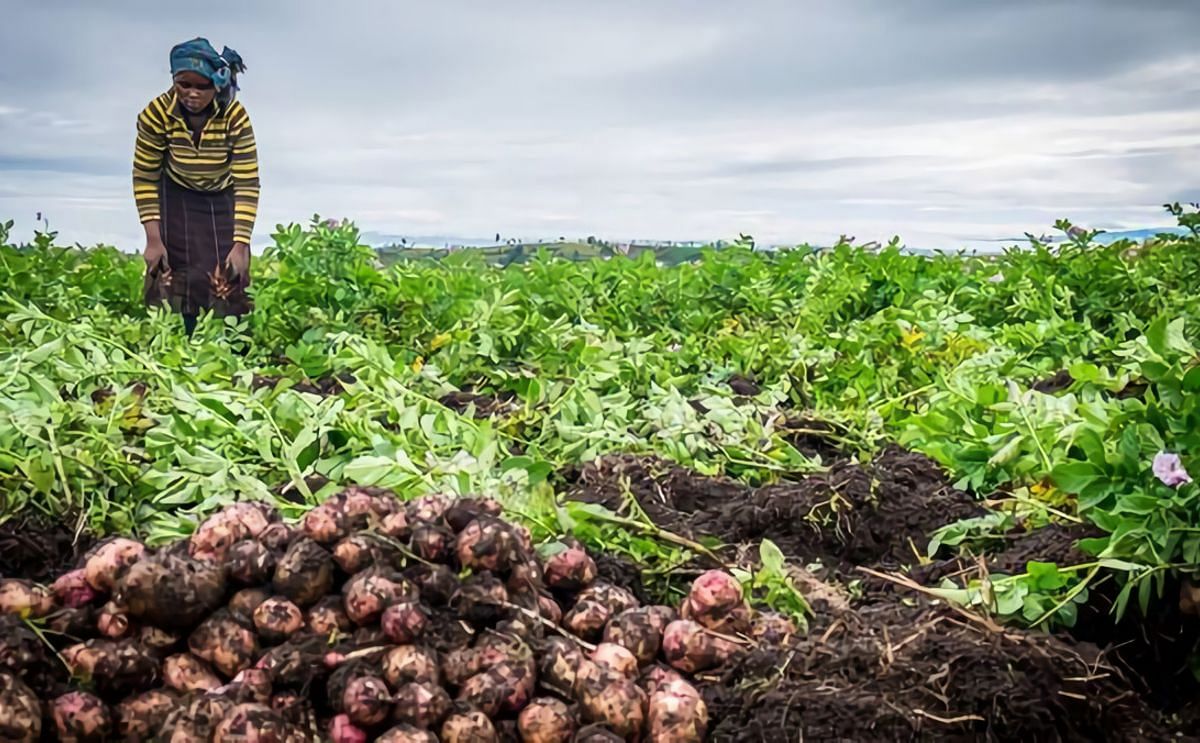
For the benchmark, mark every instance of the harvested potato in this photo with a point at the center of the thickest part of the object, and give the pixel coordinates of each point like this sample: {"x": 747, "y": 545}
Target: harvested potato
{"x": 276, "y": 619}
{"x": 20, "y": 711}
{"x": 108, "y": 561}
{"x": 171, "y": 591}
{"x": 25, "y": 599}
{"x": 305, "y": 572}
{"x": 80, "y": 717}
{"x": 571, "y": 569}
{"x": 547, "y": 720}
{"x": 421, "y": 706}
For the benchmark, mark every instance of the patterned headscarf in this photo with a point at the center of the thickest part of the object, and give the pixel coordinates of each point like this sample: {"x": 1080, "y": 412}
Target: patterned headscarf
{"x": 200, "y": 57}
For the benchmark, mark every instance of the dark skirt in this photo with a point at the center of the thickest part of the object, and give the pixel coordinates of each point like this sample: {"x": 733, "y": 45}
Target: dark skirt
{"x": 197, "y": 230}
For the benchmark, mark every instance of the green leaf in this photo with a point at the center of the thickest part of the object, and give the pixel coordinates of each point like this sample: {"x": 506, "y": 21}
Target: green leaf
{"x": 1073, "y": 477}
{"x": 771, "y": 556}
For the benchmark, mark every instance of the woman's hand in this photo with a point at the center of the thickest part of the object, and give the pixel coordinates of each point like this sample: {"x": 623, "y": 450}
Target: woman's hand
{"x": 239, "y": 260}
{"x": 155, "y": 252}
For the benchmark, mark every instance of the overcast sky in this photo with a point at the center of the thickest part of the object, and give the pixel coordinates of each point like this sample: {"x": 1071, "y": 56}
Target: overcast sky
{"x": 941, "y": 121}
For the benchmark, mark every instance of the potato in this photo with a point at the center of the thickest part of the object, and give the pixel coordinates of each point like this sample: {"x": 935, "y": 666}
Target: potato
{"x": 113, "y": 667}
{"x": 438, "y": 584}
{"x": 525, "y": 577}
{"x": 396, "y": 526}
{"x": 587, "y": 619}
{"x": 305, "y": 572}
{"x": 342, "y": 730}
{"x": 429, "y": 509}
{"x": 25, "y": 599}
{"x": 411, "y": 664}
{"x": 367, "y": 700}
{"x": 368, "y": 593}
{"x": 224, "y": 643}
{"x": 467, "y": 725}
{"x": 549, "y": 609}
{"x": 72, "y": 589}
{"x": 170, "y": 591}
{"x": 355, "y": 553}
{"x": 156, "y": 640}
{"x": 185, "y": 672}
{"x": 250, "y": 563}
{"x": 559, "y": 663}
{"x": 108, "y": 561}
{"x": 570, "y": 570}
{"x": 421, "y": 706}
{"x": 431, "y": 542}
{"x": 80, "y": 717}
{"x": 614, "y": 598}
{"x": 20, "y": 711}
{"x": 140, "y": 717}
{"x": 616, "y": 703}
{"x": 688, "y": 647}
{"x": 407, "y": 734}
{"x": 615, "y": 658}
{"x": 113, "y": 621}
{"x": 220, "y": 531}
{"x": 277, "y": 536}
{"x": 328, "y": 617}
{"x": 481, "y": 600}
{"x": 404, "y": 622}
{"x": 197, "y": 719}
{"x": 716, "y": 602}
{"x": 598, "y": 733}
{"x": 482, "y": 691}
{"x": 251, "y": 723}
{"x": 515, "y": 680}
{"x": 244, "y": 603}
{"x": 639, "y": 631}
{"x": 295, "y": 664}
{"x": 75, "y": 622}
{"x": 325, "y": 524}
{"x": 487, "y": 543}
{"x": 463, "y": 511}
{"x": 677, "y": 713}
{"x": 546, "y": 720}
{"x": 276, "y": 619}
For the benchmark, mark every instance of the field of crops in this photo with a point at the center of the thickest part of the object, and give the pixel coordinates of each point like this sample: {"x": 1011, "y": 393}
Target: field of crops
{"x": 889, "y": 496}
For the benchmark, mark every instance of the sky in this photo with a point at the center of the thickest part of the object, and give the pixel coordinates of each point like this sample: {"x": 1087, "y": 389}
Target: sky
{"x": 942, "y": 122}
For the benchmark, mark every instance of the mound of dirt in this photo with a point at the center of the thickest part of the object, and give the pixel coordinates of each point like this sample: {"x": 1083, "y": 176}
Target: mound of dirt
{"x": 485, "y": 405}
{"x": 36, "y": 548}
{"x": 880, "y": 512}
{"x": 886, "y": 671}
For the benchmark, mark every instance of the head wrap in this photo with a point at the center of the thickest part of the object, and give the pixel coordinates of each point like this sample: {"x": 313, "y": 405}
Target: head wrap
{"x": 200, "y": 57}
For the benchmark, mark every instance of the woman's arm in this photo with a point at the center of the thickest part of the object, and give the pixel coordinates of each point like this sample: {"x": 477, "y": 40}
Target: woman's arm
{"x": 244, "y": 165}
{"x": 148, "y": 153}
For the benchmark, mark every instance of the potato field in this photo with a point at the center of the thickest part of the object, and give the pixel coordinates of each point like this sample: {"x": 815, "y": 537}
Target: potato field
{"x": 799, "y": 495}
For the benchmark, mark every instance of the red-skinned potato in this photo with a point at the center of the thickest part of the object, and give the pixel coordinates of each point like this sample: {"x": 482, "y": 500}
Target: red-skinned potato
{"x": 615, "y": 598}
{"x": 325, "y": 524}
{"x": 677, "y": 713}
{"x": 250, "y": 563}
{"x": 371, "y": 591}
{"x": 613, "y": 701}
{"x": 407, "y": 734}
{"x": 25, "y": 598}
{"x": 546, "y": 720}
{"x": 343, "y": 730}
{"x": 80, "y": 717}
{"x": 429, "y": 508}
{"x": 464, "y": 510}
{"x": 615, "y": 658}
{"x": 487, "y": 543}
{"x": 549, "y": 609}
{"x": 396, "y": 526}
{"x": 431, "y": 542}
{"x": 185, "y": 672}
{"x": 276, "y": 619}
{"x": 244, "y": 603}
{"x": 468, "y": 725}
{"x": 639, "y": 631}
{"x": 411, "y": 664}
{"x": 113, "y": 621}
{"x": 251, "y": 723}
{"x": 355, "y": 553}
{"x": 716, "y": 602}
{"x": 20, "y": 711}
{"x": 421, "y": 706}
{"x": 481, "y": 600}
{"x": 224, "y": 643}
{"x": 277, "y": 536}
{"x": 690, "y": 648}
{"x": 108, "y": 561}
{"x": 772, "y": 628}
{"x": 559, "y": 664}
{"x": 305, "y": 572}
{"x": 72, "y": 590}
{"x": 482, "y": 692}
{"x": 587, "y": 619}
{"x": 328, "y": 616}
{"x": 404, "y": 622}
{"x": 142, "y": 716}
{"x": 367, "y": 700}
{"x": 170, "y": 591}
{"x": 571, "y": 569}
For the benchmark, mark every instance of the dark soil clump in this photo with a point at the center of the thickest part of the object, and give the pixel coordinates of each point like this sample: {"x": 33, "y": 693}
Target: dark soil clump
{"x": 879, "y": 512}
{"x": 889, "y": 672}
{"x": 485, "y": 406}
{"x": 37, "y": 548}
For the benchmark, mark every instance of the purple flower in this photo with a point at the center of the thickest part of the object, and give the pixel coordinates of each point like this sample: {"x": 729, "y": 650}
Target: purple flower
{"x": 1168, "y": 469}
{"x": 332, "y": 224}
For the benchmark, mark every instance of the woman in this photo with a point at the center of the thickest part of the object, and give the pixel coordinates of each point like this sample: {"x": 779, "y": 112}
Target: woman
{"x": 195, "y": 182}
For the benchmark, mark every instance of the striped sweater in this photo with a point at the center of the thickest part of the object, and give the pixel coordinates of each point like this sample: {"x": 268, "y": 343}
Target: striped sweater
{"x": 227, "y": 156}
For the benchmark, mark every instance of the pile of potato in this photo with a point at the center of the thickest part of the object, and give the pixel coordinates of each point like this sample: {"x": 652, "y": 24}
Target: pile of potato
{"x": 371, "y": 619}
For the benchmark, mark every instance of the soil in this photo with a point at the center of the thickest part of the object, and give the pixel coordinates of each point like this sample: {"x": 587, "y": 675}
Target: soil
{"x": 875, "y": 513}
{"x": 36, "y": 548}
{"x": 486, "y": 405}
{"x": 325, "y": 386}
{"x": 886, "y": 671}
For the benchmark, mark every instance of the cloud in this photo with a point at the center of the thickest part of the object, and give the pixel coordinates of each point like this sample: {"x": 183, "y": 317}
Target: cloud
{"x": 794, "y": 121}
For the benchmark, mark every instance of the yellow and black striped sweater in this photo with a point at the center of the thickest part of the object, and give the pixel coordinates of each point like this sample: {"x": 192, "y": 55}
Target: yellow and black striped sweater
{"x": 226, "y": 156}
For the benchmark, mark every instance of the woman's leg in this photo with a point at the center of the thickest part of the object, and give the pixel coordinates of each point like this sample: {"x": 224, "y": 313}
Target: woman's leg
{"x": 189, "y": 323}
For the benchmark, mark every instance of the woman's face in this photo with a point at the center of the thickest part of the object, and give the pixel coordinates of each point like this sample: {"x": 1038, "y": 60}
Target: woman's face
{"x": 195, "y": 91}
